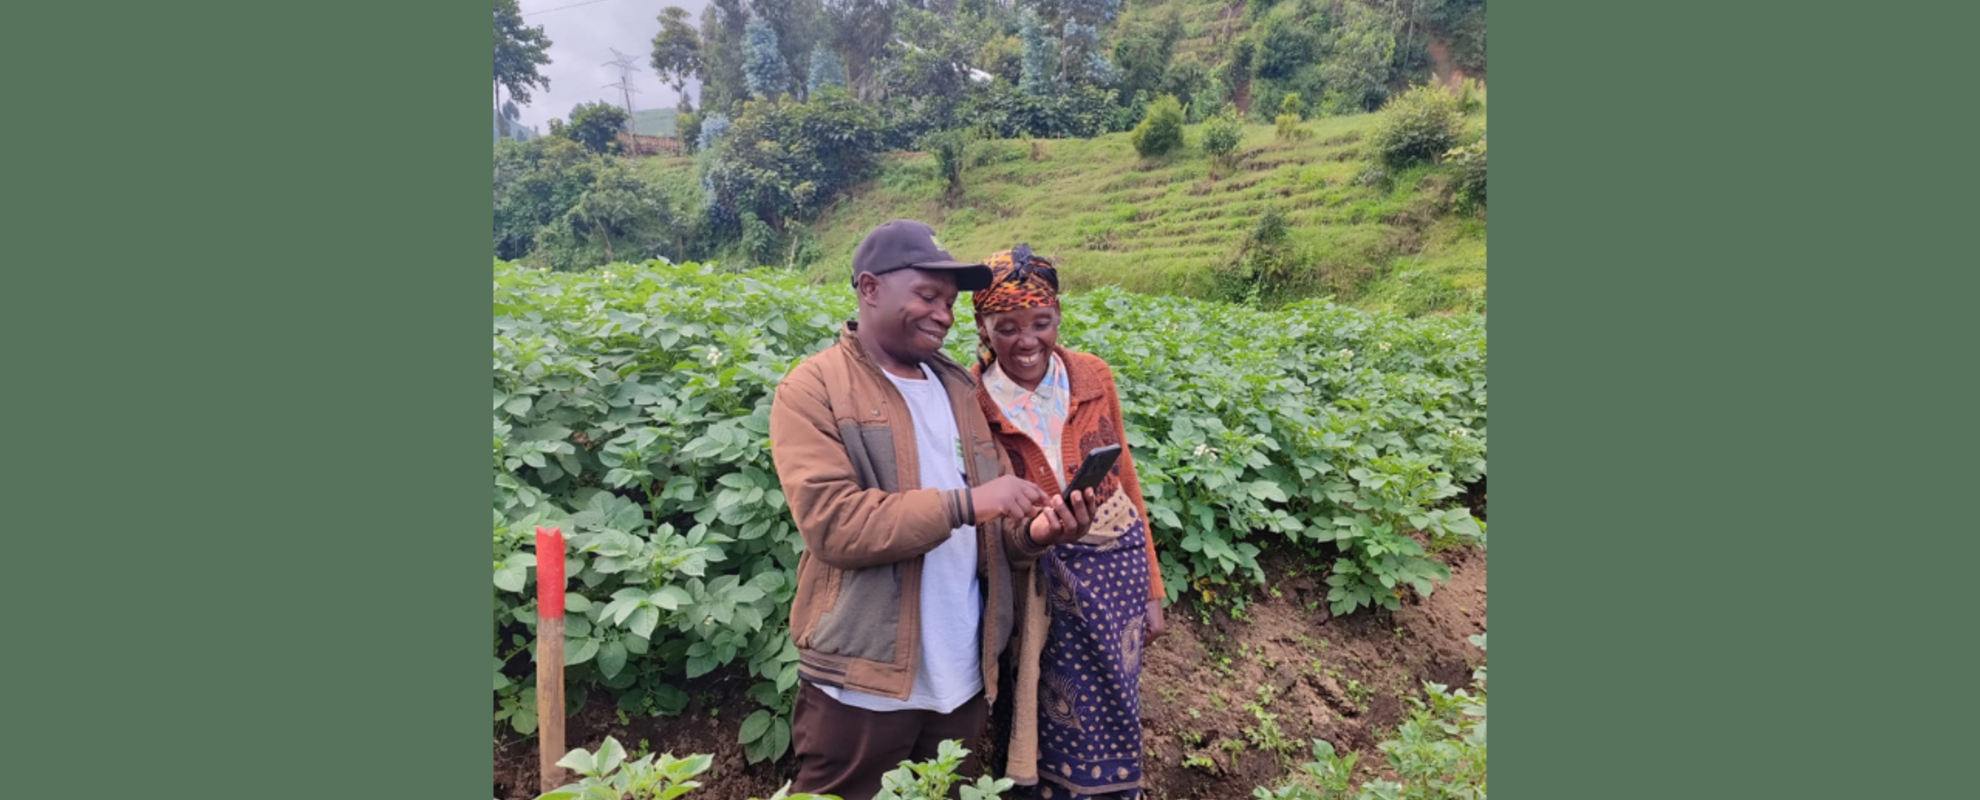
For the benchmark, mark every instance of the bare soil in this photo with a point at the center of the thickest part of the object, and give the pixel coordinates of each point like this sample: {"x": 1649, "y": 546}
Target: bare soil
{"x": 1213, "y": 691}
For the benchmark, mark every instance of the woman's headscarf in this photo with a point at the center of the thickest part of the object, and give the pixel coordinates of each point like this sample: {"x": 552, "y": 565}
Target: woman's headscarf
{"x": 1018, "y": 280}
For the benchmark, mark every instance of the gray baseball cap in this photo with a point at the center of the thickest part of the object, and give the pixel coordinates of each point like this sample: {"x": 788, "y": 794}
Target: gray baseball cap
{"x": 905, "y": 243}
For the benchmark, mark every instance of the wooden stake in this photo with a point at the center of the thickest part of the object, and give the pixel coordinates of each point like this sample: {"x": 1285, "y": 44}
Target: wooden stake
{"x": 550, "y": 656}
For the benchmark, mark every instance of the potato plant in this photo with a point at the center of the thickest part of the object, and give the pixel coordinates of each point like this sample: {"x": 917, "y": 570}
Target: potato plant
{"x": 630, "y": 408}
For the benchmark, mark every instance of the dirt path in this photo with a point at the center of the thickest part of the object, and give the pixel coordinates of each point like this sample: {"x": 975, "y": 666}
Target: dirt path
{"x": 1441, "y": 65}
{"x": 1217, "y": 694}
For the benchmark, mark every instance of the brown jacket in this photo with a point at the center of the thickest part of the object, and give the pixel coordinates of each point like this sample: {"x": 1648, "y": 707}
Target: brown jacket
{"x": 845, "y": 453}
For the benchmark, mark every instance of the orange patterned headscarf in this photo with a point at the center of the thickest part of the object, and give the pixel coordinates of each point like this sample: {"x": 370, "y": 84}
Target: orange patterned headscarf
{"x": 1018, "y": 279}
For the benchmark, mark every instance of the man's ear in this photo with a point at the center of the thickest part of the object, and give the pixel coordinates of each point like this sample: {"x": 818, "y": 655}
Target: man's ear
{"x": 866, "y": 287}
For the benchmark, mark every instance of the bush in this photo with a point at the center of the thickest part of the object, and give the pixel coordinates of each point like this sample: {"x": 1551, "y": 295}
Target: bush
{"x": 1160, "y": 131}
{"x": 1419, "y": 126}
{"x": 596, "y": 126}
{"x": 1291, "y": 113}
{"x": 783, "y": 160}
{"x": 1008, "y": 113}
{"x": 688, "y": 126}
{"x": 1471, "y": 174}
{"x": 1222, "y": 134}
{"x": 560, "y": 205}
{"x": 949, "y": 149}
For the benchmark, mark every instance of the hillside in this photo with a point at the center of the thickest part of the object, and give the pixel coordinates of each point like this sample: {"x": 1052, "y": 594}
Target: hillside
{"x": 1166, "y": 226}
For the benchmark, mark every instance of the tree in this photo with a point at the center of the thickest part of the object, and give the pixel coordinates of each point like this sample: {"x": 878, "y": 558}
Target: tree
{"x": 1356, "y": 73}
{"x": 1041, "y": 59}
{"x": 763, "y": 63}
{"x": 825, "y": 71}
{"x": 1144, "y": 56}
{"x": 596, "y": 126}
{"x": 1079, "y": 43}
{"x": 615, "y": 204}
{"x": 796, "y": 24}
{"x": 859, "y": 30}
{"x": 927, "y": 74}
{"x": 783, "y": 160}
{"x": 722, "y": 81}
{"x": 536, "y": 182}
{"x": 519, "y": 50}
{"x": 676, "y": 50}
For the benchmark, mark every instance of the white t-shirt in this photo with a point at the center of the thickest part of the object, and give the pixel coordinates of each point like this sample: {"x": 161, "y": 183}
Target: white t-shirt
{"x": 949, "y": 671}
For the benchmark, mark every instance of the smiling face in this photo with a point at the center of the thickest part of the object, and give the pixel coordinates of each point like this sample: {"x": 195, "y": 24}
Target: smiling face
{"x": 1023, "y": 340}
{"x": 907, "y": 313}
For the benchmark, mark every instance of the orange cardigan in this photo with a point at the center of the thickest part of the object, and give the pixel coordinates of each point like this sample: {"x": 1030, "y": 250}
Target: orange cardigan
{"x": 1093, "y": 419}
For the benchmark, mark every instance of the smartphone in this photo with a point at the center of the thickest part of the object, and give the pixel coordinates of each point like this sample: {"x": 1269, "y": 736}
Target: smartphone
{"x": 1092, "y": 470}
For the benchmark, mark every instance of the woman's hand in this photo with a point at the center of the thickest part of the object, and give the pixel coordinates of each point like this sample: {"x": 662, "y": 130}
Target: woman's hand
{"x": 1156, "y": 627}
{"x": 1059, "y": 524}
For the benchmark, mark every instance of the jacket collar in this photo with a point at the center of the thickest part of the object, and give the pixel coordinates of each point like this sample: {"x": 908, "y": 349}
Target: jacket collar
{"x": 941, "y": 363}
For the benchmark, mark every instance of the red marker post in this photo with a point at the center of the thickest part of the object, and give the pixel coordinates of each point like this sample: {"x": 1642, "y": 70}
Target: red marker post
{"x": 550, "y": 655}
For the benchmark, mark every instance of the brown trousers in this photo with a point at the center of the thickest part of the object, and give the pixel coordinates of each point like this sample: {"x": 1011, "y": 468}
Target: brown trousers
{"x": 844, "y": 750}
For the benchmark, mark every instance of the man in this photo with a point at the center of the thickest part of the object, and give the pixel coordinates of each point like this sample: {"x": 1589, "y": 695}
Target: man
{"x": 912, "y": 525}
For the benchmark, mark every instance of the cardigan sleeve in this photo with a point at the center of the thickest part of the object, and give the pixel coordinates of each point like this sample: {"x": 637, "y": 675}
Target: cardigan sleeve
{"x": 1132, "y": 484}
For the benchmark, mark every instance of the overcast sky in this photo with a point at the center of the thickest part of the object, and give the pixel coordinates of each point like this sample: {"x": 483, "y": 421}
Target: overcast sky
{"x": 581, "y": 41}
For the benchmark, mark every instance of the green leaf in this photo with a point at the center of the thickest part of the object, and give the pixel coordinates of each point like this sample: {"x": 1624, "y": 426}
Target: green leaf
{"x": 579, "y": 761}
{"x": 511, "y": 576}
{"x": 754, "y": 727}
{"x": 576, "y": 603}
{"x": 610, "y": 755}
{"x": 1267, "y": 490}
{"x": 644, "y": 620}
{"x": 670, "y": 597}
{"x": 611, "y": 658}
{"x": 582, "y": 653}
{"x": 517, "y": 406}
{"x": 778, "y": 739}
{"x": 698, "y": 666}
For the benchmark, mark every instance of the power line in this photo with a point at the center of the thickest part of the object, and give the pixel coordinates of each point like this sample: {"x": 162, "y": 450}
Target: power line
{"x": 560, "y": 8}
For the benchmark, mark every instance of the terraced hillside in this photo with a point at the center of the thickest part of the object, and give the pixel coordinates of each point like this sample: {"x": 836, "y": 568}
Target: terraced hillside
{"x": 1170, "y": 225}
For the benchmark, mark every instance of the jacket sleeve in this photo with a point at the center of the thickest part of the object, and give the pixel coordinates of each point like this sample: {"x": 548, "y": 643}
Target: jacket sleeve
{"x": 1017, "y": 537}
{"x": 844, "y": 525}
{"x": 1131, "y": 483}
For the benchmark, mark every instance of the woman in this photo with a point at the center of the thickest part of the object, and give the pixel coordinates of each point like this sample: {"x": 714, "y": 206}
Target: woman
{"x": 1090, "y": 606}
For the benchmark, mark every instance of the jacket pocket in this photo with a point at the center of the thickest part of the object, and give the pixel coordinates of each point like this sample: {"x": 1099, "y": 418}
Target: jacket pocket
{"x": 864, "y": 619}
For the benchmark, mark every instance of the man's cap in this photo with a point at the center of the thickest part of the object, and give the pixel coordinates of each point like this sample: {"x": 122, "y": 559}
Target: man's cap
{"x": 905, "y": 243}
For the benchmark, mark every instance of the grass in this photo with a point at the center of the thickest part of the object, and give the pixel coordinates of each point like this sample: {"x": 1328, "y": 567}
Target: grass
{"x": 1169, "y": 225}
{"x": 1165, "y": 225}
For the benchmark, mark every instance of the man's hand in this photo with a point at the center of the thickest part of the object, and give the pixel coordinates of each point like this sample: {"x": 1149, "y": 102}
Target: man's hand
{"x": 1008, "y": 496}
{"x": 1155, "y": 627}
{"x": 1058, "y": 524}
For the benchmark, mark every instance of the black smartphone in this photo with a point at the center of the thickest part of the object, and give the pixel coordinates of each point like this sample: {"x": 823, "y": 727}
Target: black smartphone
{"x": 1092, "y": 470}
